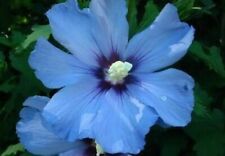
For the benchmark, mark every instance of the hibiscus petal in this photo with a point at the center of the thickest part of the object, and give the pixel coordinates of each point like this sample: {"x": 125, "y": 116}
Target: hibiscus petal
{"x": 169, "y": 92}
{"x": 86, "y": 151}
{"x": 111, "y": 16}
{"x": 118, "y": 124}
{"x": 34, "y": 136}
{"x": 162, "y": 44}
{"x": 54, "y": 67}
{"x": 122, "y": 123}
{"x": 70, "y": 110}
{"x": 72, "y": 28}
{"x": 36, "y": 102}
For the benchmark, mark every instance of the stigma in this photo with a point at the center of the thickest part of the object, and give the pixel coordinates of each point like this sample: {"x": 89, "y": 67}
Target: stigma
{"x": 118, "y": 71}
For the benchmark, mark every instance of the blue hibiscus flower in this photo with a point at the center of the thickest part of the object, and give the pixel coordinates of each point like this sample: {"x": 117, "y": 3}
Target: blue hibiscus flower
{"x": 38, "y": 140}
{"x": 113, "y": 90}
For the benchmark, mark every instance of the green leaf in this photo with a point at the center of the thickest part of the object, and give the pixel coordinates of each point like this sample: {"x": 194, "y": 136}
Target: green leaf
{"x": 20, "y": 62}
{"x": 13, "y": 150}
{"x": 27, "y": 84}
{"x": 211, "y": 145}
{"x": 202, "y": 101}
{"x": 3, "y": 63}
{"x": 132, "y": 16}
{"x": 185, "y": 8}
{"x": 4, "y": 41}
{"x": 17, "y": 38}
{"x": 173, "y": 144}
{"x": 7, "y": 85}
{"x": 23, "y": 3}
{"x": 83, "y": 3}
{"x": 207, "y": 2}
{"x": 208, "y": 134}
{"x": 151, "y": 11}
{"x": 38, "y": 31}
{"x": 211, "y": 57}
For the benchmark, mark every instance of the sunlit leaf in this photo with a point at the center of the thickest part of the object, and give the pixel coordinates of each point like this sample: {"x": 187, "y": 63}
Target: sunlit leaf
{"x": 38, "y": 31}
{"x": 13, "y": 150}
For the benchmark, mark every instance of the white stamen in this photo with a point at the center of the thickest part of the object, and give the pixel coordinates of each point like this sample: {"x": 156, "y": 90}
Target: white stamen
{"x": 118, "y": 71}
{"x": 99, "y": 150}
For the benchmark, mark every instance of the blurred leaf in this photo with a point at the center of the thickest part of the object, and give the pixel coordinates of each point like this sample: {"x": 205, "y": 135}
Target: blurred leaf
{"x": 151, "y": 11}
{"x": 5, "y": 14}
{"x": 17, "y": 38}
{"x": 208, "y": 134}
{"x": 211, "y": 145}
{"x": 211, "y": 57}
{"x": 13, "y": 150}
{"x": 27, "y": 86}
{"x": 83, "y": 3}
{"x": 184, "y": 8}
{"x": 173, "y": 144}
{"x": 202, "y": 101}
{"x": 7, "y": 85}
{"x": 5, "y": 41}
{"x": 2, "y": 57}
{"x": 132, "y": 16}
{"x": 223, "y": 30}
{"x": 208, "y": 2}
{"x": 23, "y": 3}
{"x": 20, "y": 62}
{"x": 3, "y": 63}
{"x": 38, "y": 31}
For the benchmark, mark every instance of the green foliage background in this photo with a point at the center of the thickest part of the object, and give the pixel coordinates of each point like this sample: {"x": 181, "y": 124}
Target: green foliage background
{"x": 23, "y": 21}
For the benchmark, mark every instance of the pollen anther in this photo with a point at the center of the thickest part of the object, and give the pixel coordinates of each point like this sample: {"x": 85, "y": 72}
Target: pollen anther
{"x": 118, "y": 71}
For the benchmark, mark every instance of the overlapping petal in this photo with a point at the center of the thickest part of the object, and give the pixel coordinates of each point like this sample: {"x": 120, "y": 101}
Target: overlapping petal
{"x": 54, "y": 67}
{"x": 124, "y": 121}
{"x": 118, "y": 123}
{"x": 34, "y": 136}
{"x": 112, "y": 16}
{"x": 162, "y": 44}
{"x": 72, "y": 28}
{"x": 90, "y": 33}
{"x": 82, "y": 151}
{"x": 169, "y": 92}
{"x": 70, "y": 110}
